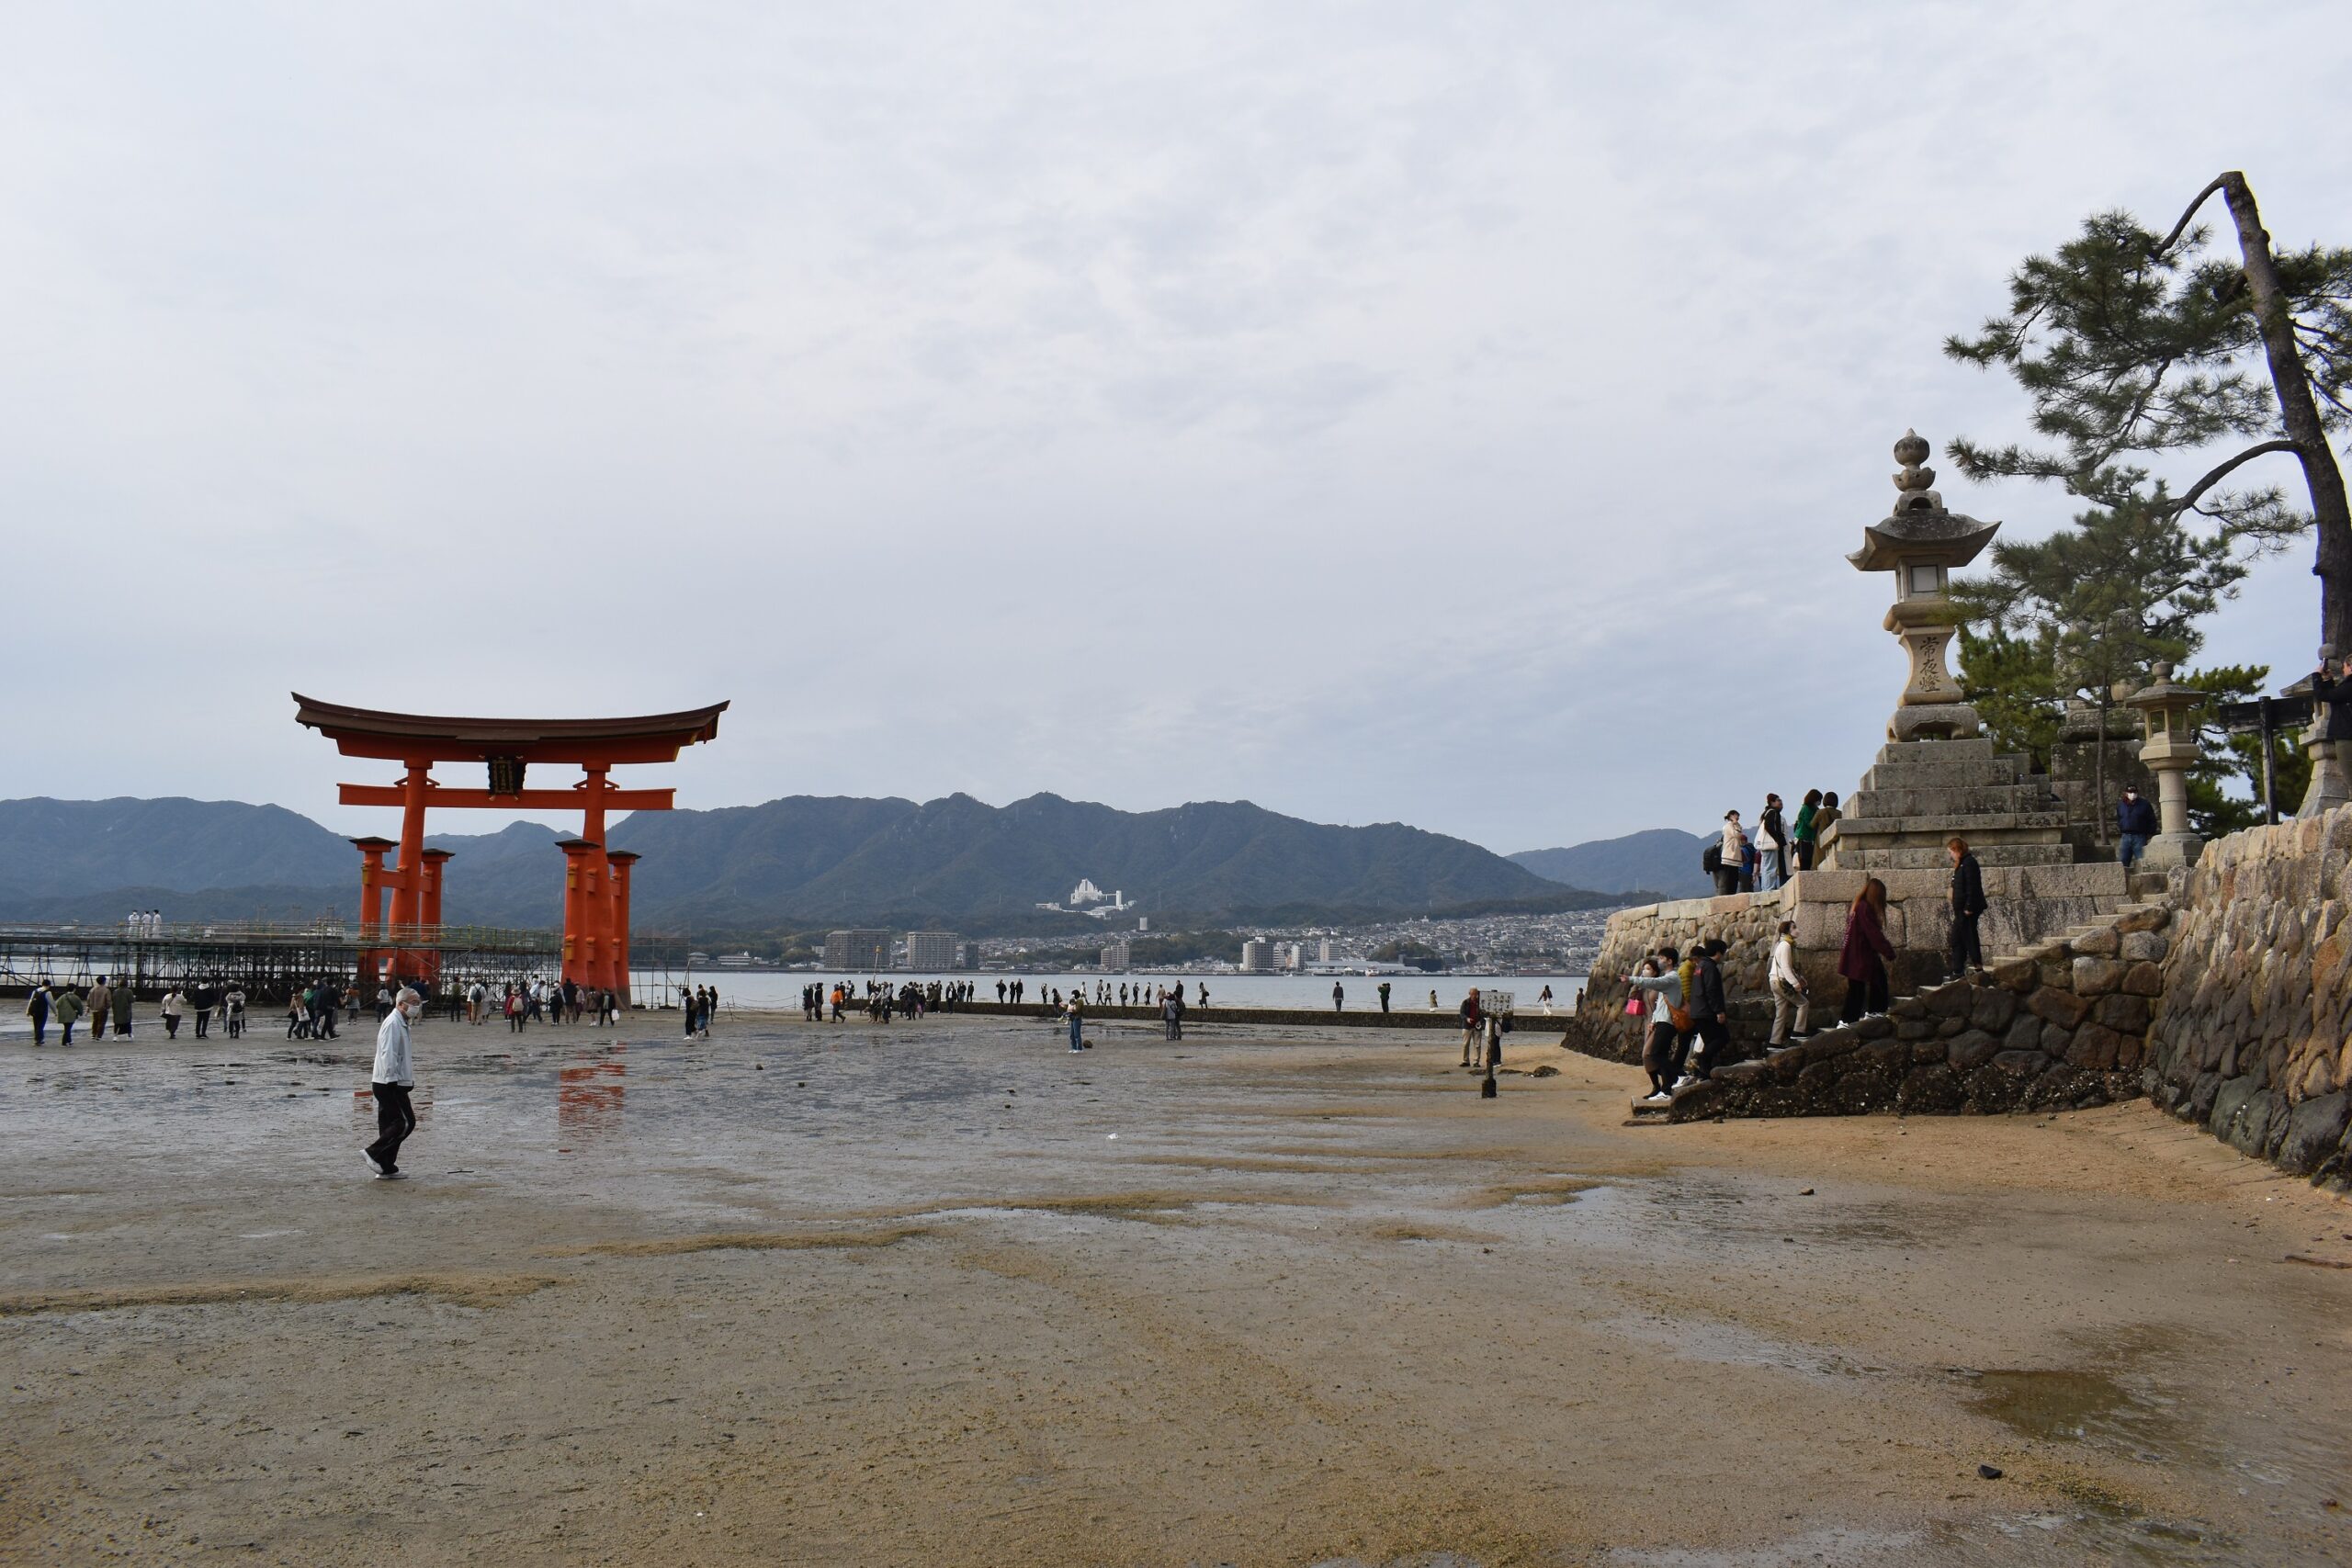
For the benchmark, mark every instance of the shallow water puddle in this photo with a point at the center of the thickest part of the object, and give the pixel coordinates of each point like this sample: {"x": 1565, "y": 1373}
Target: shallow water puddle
{"x": 2078, "y": 1406}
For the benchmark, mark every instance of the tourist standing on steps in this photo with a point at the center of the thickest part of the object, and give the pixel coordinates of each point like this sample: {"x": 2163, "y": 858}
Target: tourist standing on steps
{"x": 1660, "y": 985}
{"x": 1968, "y": 906}
{"x": 2332, "y": 685}
{"x": 1824, "y": 816}
{"x": 1710, "y": 1013}
{"x": 393, "y": 1077}
{"x": 1867, "y": 953}
{"x": 1728, "y": 853}
{"x": 1807, "y": 828}
{"x": 1338, "y": 998}
{"x": 1773, "y": 837}
{"x": 2135, "y": 824}
{"x": 1789, "y": 1004}
{"x": 36, "y": 1008}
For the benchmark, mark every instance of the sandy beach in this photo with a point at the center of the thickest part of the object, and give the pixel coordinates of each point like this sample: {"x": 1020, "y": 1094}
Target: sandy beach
{"x": 941, "y": 1292}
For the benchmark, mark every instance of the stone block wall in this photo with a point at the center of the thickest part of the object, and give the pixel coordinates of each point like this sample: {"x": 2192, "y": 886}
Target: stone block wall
{"x": 2066, "y": 1025}
{"x": 2254, "y": 1038}
{"x": 2031, "y": 904}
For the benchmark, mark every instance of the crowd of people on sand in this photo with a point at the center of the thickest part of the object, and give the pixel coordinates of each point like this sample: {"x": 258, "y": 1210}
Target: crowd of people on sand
{"x": 111, "y": 1003}
{"x": 521, "y": 1002}
{"x": 881, "y": 1002}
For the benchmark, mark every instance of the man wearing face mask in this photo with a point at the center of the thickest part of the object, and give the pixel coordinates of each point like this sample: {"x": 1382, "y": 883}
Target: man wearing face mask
{"x": 393, "y": 1077}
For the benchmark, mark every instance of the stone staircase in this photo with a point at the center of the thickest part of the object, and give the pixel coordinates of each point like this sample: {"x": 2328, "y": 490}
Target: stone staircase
{"x": 1920, "y": 793}
{"x": 2149, "y": 892}
{"x": 2061, "y": 1023}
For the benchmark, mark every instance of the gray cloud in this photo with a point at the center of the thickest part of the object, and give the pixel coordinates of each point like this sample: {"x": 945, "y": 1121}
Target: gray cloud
{"x": 1452, "y": 416}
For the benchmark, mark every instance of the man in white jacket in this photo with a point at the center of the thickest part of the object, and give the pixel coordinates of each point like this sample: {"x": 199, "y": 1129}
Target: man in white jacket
{"x": 1790, "y": 1002}
{"x": 393, "y": 1077}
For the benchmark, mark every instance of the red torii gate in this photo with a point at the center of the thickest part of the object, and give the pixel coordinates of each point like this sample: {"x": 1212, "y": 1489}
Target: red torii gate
{"x": 595, "y": 896}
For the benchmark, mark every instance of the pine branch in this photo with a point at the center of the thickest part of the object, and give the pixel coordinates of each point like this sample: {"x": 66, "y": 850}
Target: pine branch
{"x": 2203, "y": 198}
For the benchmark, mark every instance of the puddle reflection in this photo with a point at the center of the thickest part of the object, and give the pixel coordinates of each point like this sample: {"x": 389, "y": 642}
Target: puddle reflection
{"x": 588, "y": 1097}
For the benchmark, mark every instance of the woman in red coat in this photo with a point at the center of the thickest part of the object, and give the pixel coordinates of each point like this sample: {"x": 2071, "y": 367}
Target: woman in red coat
{"x": 1867, "y": 955}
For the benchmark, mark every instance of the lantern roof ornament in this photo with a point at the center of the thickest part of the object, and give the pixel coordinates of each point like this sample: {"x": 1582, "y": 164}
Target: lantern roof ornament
{"x": 1921, "y": 528}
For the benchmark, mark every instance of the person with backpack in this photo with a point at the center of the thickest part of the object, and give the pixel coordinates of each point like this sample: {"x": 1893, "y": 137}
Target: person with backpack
{"x": 36, "y": 1008}
{"x": 1968, "y": 906}
{"x": 1867, "y": 953}
{"x": 1660, "y": 985}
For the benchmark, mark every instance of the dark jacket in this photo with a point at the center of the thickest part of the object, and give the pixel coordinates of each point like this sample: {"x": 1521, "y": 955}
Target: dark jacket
{"x": 1866, "y": 944}
{"x": 1707, "y": 990}
{"x": 1968, "y": 887}
{"x": 2337, "y": 695}
{"x": 2136, "y": 815}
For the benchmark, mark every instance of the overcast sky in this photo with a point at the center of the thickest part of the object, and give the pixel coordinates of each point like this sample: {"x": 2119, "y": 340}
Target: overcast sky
{"x": 1453, "y": 414}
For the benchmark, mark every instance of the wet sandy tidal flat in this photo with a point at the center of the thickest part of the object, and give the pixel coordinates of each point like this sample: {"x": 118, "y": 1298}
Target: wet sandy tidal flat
{"x": 942, "y": 1292}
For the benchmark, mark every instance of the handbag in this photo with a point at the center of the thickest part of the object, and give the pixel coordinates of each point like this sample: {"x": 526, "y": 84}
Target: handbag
{"x": 1633, "y": 1005}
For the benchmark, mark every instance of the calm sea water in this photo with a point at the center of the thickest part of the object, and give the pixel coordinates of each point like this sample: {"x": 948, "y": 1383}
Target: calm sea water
{"x": 1406, "y": 992}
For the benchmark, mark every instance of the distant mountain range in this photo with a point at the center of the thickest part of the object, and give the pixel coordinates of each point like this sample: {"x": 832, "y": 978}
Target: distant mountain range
{"x": 792, "y": 863}
{"x": 1663, "y": 859}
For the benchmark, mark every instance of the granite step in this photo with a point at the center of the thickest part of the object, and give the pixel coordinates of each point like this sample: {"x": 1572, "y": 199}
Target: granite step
{"x": 1933, "y": 856}
{"x": 1947, "y": 800}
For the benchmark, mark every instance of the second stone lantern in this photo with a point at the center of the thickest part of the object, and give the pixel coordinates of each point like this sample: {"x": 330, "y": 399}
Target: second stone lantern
{"x": 2171, "y": 748}
{"x": 1922, "y": 544}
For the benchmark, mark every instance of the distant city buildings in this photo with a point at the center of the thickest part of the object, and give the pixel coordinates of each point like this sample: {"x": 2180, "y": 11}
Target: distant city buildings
{"x": 1327, "y": 952}
{"x": 1114, "y": 954}
{"x": 1256, "y": 957}
{"x": 931, "y": 950}
{"x": 968, "y": 955}
{"x": 857, "y": 949}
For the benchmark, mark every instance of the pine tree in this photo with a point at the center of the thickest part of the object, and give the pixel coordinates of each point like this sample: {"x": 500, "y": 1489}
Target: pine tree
{"x": 2131, "y": 345}
{"x": 2085, "y": 613}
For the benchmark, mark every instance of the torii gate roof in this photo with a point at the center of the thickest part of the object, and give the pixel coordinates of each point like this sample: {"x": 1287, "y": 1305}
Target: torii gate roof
{"x": 372, "y": 732}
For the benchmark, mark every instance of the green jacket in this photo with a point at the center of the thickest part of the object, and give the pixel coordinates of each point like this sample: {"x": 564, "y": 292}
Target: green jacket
{"x": 1804, "y": 825}
{"x": 66, "y": 1007}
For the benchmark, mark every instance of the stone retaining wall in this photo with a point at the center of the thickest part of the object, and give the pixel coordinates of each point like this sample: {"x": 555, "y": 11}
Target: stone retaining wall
{"x": 2064, "y": 1024}
{"x": 2253, "y": 1039}
{"x": 2030, "y": 905}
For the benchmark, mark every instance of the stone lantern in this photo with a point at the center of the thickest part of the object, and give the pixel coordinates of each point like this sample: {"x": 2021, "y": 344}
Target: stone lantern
{"x": 2327, "y": 789}
{"x": 1921, "y": 543}
{"x": 2169, "y": 752}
